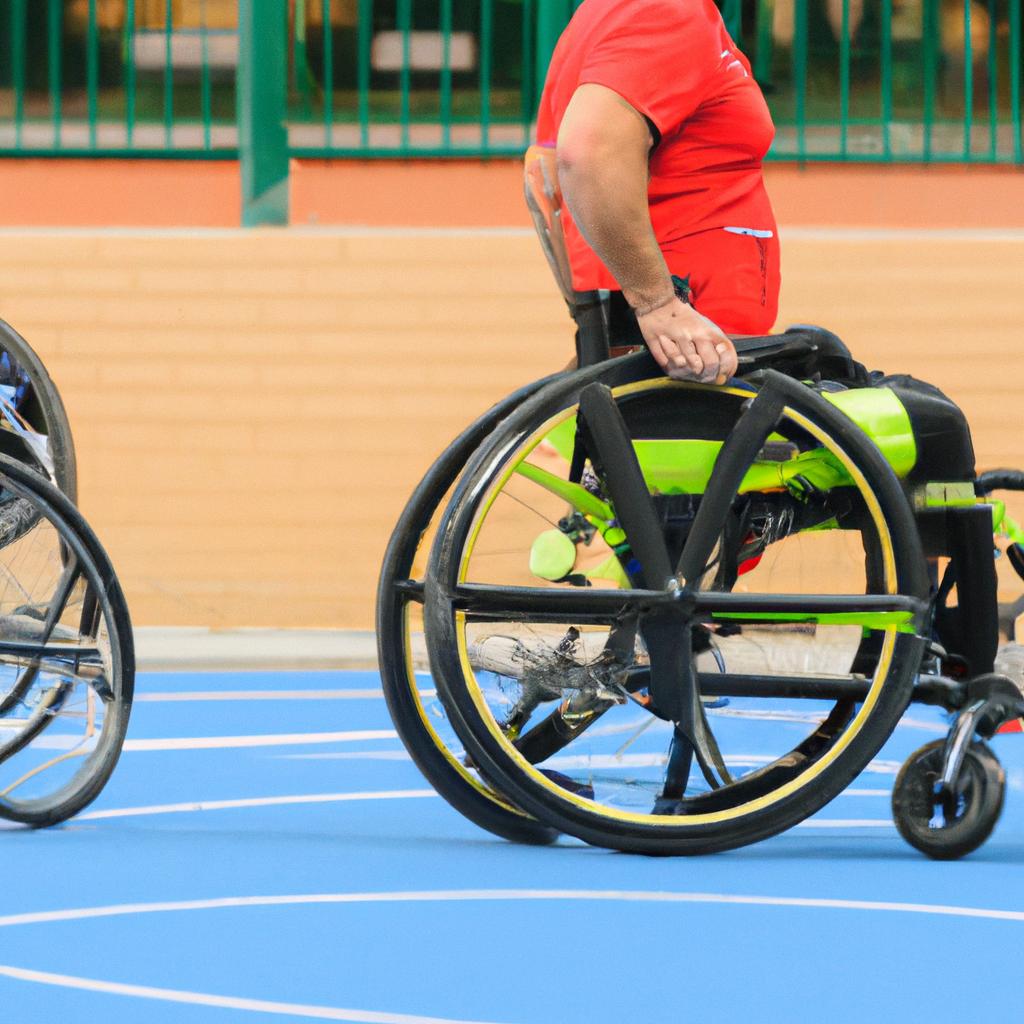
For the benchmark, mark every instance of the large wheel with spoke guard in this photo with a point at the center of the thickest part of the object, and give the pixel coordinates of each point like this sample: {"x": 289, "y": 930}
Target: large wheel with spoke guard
{"x": 725, "y": 634}
{"x": 418, "y": 716}
{"x": 66, "y": 658}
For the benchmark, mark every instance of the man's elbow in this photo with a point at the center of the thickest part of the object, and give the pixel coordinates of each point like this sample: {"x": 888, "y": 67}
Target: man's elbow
{"x": 578, "y": 155}
{"x": 570, "y": 157}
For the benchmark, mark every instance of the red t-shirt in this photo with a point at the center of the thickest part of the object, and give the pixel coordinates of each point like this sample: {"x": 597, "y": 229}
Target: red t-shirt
{"x": 673, "y": 61}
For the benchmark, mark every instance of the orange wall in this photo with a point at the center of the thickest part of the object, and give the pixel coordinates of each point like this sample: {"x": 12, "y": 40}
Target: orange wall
{"x": 252, "y": 408}
{"x": 119, "y": 193}
{"x": 161, "y": 193}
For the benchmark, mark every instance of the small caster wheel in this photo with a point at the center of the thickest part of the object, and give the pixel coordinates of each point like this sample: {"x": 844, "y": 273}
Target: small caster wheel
{"x": 947, "y": 827}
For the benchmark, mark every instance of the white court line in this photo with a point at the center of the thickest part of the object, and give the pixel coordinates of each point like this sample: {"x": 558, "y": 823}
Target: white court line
{"x": 351, "y": 755}
{"x": 266, "y": 740}
{"x": 193, "y": 806}
{"x": 439, "y": 896}
{"x": 507, "y": 895}
{"x": 847, "y": 822}
{"x": 260, "y": 801}
{"x": 203, "y": 695}
{"x": 171, "y": 995}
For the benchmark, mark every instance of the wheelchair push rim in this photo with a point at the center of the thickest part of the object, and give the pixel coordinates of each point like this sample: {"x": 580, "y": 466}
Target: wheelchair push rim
{"x": 420, "y": 719}
{"x": 66, "y": 660}
{"x": 734, "y": 811}
{"x": 35, "y": 414}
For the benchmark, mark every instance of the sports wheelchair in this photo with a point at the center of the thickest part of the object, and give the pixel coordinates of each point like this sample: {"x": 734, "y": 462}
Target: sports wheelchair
{"x": 677, "y": 618}
{"x": 67, "y": 660}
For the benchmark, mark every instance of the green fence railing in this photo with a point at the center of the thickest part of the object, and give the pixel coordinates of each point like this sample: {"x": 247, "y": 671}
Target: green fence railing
{"x": 147, "y": 77}
{"x": 885, "y": 80}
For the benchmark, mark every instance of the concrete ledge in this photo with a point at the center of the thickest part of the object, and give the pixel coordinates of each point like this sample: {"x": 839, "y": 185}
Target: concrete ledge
{"x": 198, "y": 648}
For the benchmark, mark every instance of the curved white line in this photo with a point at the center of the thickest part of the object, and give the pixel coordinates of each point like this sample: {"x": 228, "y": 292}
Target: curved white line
{"x": 261, "y": 801}
{"x": 847, "y": 822}
{"x": 263, "y": 740}
{"x": 163, "y": 696}
{"x": 194, "y": 806}
{"x": 499, "y": 895}
{"x": 171, "y": 995}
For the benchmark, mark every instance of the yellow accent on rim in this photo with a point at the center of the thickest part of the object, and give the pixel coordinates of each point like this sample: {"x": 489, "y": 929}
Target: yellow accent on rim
{"x": 455, "y": 763}
{"x": 752, "y": 806}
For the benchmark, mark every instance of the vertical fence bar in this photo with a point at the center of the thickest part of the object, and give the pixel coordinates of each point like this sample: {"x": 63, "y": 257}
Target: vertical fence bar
{"x": 18, "y": 15}
{"x": 552, "y": 17}
{"x": 168, "y": 75}
{"x": 486, "y": 44}
{"x": 205, "y": 91}
{"x": 930, "y": 61}
{"x": 844, "y": 78}
{"x": 54, "y": 17}
{"x": 1015, "y": 75}
{"x": 765, "y": 40}
{"x": 262, "y": 92}
{"x": 968, "y": 80}
{"x": 800, "y": 74}
{"x": 328, "y": 72}
{"x": 404, "y": 22}
{"x": 993, "y": 82}
{"x": 92, "y": 62}
{"x": 446, "y": 73}
{"x": 886, "y": 72}
{"x": 364, "y": 39}
{"x": 129, "y": 72}
{"x": 732, "y": 15}
{"x": 300, "y": 59}
{"x": 526, "y": 98}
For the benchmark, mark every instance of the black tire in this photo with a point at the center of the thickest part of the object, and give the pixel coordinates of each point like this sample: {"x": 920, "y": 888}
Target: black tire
{"x": 67, "y": 662}
{"x": 948, "y": 832}
{"x": 44, "y": 411}
{"x": 442, "y": 766}
{"x": 767, "y": 800}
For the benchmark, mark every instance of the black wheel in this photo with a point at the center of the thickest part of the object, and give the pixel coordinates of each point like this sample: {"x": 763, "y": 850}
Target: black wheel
{"x": 418, "y": 716}
{"x": 67, "y": 662}
{"x": 947, "y": 827}
{"x": 37, "y": 431}
{"x": 732, "y": 544}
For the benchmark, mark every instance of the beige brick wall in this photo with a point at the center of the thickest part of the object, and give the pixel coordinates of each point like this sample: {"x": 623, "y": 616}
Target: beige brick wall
{"x": 251, "y": 410}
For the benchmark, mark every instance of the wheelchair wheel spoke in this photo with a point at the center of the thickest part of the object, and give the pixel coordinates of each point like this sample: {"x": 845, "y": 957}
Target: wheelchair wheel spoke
{"x": 614, "y": 458}
{"x": 738, "y": 452}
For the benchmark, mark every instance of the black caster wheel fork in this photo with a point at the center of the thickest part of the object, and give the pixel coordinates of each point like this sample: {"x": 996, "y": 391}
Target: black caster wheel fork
{"x": 994, "y": 701}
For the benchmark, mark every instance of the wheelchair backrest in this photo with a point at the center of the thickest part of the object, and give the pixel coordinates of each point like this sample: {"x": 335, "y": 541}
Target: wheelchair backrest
{"x": 544, "y": 200}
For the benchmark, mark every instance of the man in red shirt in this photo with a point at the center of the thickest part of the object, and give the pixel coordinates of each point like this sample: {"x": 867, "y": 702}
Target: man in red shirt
{"x": 660, "y": 131}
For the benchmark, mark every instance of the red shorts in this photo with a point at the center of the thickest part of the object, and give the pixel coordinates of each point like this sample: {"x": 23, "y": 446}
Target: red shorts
{"x": 734, "y": 277}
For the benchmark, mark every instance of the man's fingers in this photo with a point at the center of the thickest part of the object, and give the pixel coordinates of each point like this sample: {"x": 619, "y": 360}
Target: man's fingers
{"x": 658, "y": 351}
{"x": 709, "y": 356}
{"x": 683, "y": 356}
{"x": 728, "y": 361}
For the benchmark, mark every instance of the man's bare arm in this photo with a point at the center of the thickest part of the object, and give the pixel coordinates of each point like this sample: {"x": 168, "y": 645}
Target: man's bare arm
{"x": 602, "y": 150}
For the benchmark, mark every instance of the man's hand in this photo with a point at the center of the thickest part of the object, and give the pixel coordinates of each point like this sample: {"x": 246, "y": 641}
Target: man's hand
{"x": 686, "y": 345}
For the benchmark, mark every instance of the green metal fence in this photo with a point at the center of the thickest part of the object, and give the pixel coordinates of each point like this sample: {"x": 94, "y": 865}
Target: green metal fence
{"x": 94, "y": 77}
{"x": 863, "y": 80}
